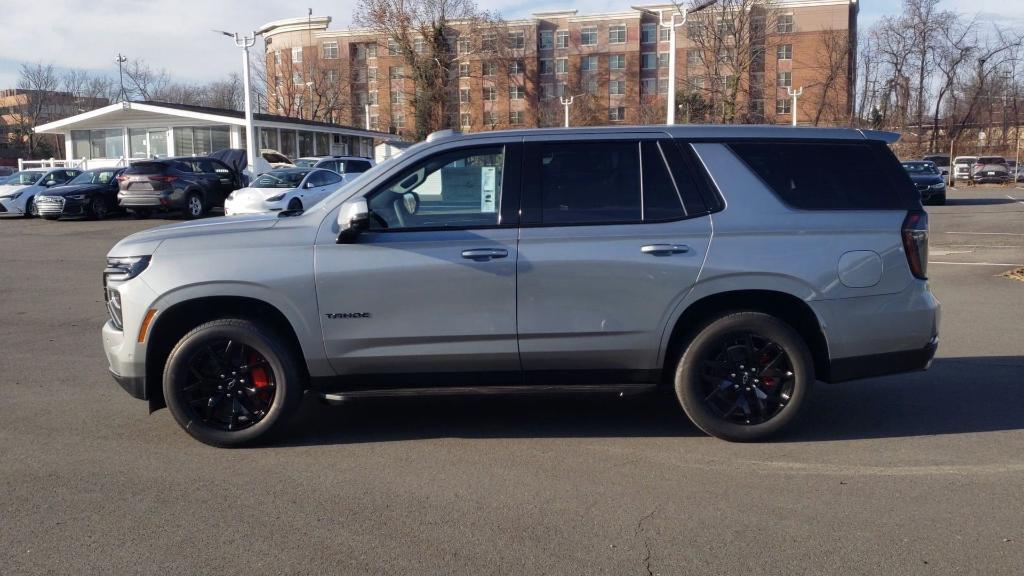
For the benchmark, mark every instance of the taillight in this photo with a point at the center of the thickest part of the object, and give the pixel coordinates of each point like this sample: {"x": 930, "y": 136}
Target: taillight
{"x": 122, "y": 178}
{"x": 915, "y": 242}
{"x": 163, "y": 178}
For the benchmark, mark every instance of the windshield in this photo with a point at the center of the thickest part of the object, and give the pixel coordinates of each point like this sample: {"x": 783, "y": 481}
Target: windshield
{"x": 306, "y": 162}
{"x": 94, "y": 177}
{"x": 280, "y": 179}
{"x": 24, "y": 178}
{"x": 920, "y": 168}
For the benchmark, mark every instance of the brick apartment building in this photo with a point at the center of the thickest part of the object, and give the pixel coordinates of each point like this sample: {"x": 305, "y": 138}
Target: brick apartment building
{"x": 21, "y": 110}
{"x": 615, "y": 64}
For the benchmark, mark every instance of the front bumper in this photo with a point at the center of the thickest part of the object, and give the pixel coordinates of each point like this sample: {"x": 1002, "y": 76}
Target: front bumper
{"x": 56, "y": 206}
{"x": 10, "y": 206}
{"x": 134, "y": 385}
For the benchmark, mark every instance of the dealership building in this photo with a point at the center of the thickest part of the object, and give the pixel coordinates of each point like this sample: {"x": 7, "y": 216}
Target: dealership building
{"x": 115, "y": 135}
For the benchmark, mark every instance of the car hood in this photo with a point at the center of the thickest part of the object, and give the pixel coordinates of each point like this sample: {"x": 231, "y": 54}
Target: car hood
{"x": 146, "y": 242}
{"x": 258, "y": 193}
{"x": 926, "y": 178}
{"x": 5, "y": 190}
{"x": 74, "y": 189}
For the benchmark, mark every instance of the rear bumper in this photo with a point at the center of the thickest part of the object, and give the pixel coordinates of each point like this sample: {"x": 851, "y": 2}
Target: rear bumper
{"x": 845, "y": 369}
{"x": 164, "y": 200}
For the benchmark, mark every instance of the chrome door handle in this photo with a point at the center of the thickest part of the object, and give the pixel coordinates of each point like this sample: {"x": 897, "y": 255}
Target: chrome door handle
{"x": 664, "y": 249}
{"x": 484, "y": 254}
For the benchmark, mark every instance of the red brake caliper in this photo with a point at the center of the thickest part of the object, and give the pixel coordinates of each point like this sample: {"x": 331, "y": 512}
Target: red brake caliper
{"x": 260, "y": 379}
{"x": 768, "y": 381}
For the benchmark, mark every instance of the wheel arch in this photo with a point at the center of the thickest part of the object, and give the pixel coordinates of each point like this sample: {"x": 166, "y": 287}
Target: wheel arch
{"x": 173, "y": 323}
{"x": 785, "y": 306}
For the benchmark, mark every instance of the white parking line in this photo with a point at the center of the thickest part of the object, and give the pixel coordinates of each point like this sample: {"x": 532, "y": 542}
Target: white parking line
{"x": 976, "y": 263}
{"x": 986, "y": 233}
{"x": 1014, "y": 199}
{"x": 975, "y": 246}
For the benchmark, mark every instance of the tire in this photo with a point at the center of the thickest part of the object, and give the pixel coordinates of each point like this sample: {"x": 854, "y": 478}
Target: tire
{"x": 98, "y": 208}
{"x": 195, "y": 207}
{"x": 30, "y": 208}
{"x": 202, "y": 416}
{"x": 714, "y": 403}
{"x": 295, "y": 204}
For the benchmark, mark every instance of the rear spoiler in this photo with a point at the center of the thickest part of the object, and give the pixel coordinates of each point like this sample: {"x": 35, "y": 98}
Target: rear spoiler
{"x": 887, "y": 137}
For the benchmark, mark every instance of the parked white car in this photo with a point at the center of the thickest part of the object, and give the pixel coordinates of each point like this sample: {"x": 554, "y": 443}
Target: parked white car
{"x": 349, "y": 167}
{"x": 18, "y": 192}
{"x": 284, "y": 189}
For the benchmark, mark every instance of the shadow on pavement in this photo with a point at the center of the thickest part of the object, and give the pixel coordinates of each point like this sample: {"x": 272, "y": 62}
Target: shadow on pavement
{"x": 979, "y": 201}
{"x": 956, "y": 396}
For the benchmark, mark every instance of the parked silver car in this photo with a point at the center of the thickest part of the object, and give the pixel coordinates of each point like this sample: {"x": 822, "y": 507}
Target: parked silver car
{"x": 734, "y": 265}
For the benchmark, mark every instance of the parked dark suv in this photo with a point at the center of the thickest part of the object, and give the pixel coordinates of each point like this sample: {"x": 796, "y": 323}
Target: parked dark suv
{"x": 191, "y": 185}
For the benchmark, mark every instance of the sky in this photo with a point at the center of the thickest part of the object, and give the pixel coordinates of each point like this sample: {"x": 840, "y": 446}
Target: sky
{"x": 175, "y": 35}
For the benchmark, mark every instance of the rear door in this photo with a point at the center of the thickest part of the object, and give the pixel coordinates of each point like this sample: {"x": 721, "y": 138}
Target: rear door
{"x": 612, "y": 241}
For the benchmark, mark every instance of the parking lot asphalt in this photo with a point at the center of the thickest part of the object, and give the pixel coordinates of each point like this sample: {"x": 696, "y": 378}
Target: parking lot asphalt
{"x": 913, "y": 474}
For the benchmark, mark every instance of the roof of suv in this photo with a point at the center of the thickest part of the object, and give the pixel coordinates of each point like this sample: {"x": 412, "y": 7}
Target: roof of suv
{"x": 690, "y": 131}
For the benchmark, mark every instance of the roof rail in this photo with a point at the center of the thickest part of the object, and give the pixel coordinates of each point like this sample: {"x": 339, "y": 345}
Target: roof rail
{"x": 442, "y": 134}
{"x": 884, "y": 136}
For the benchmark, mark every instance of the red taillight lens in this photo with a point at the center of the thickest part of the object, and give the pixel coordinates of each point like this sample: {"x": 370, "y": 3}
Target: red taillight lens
{"x": 163, "y": 178}
{"x": 122, "y": 178}
{"x": 915, "y": 242}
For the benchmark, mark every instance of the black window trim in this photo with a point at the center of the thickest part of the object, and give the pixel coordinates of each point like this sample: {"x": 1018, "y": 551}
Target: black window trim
{"x": 532, "y": 213}
{"x": 509, "y": 207}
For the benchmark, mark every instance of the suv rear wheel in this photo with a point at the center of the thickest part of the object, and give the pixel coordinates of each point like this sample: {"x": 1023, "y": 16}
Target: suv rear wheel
{"x": 231, "y": 382}
{"x": 744, "y": 377}
{"x": 194, "y": 205}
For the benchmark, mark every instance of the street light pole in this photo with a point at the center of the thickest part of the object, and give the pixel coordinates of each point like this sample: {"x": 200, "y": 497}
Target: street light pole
{"x": 794, "y": 96}
{"x": 670, "y": 105}
{"x": 566, "y": 102}
{"x": 246, "y": 42}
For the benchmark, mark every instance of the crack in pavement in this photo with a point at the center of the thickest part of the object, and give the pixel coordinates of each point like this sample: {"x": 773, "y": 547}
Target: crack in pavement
{"x": 647, "y": 544}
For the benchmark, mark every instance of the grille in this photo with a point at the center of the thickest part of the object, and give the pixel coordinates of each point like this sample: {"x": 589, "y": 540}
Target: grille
{"x": 49, "y": 204}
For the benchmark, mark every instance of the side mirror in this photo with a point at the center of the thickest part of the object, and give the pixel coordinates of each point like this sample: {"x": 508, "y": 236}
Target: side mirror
{"x": 50, "y": 183}
{"x": 308, "y": 185}
{"x": 353, "y": 219}
{"x": 411, "y": 202}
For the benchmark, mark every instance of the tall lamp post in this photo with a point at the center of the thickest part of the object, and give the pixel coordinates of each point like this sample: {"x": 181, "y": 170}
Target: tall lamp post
{"x": 246, "y": 42}
{"x": 566, "y": 102}
{"x": 670, "y": 105}
{"x": 794, "y": 95}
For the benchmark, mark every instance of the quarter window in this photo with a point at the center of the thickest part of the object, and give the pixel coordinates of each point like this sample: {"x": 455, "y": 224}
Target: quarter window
{"x": 459, "y": 189}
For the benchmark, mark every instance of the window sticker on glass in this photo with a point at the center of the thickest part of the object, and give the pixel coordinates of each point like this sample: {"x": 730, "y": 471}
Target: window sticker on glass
{"x": 487, "y": 197}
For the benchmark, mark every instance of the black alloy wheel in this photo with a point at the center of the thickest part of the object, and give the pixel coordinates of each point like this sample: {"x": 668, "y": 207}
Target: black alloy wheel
{"x": 231, "y": 386}
{"x": 30, "y": 208}
{"x": 99, "y": 209}
{"x": 745, "y": 376}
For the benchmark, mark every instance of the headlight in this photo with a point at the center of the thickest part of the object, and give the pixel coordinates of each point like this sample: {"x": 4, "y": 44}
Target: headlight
{"x": 13, "y": 196}
{"x": 276, "y": 197}
{"x": 124, "y": 269}
{"x": 230, "y": 196}
{"x": 938, "y": 186}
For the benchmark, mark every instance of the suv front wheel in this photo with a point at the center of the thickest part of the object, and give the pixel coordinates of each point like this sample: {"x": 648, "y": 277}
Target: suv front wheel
{"x": 744, "y": 377}
{"x": 231, "y": 382}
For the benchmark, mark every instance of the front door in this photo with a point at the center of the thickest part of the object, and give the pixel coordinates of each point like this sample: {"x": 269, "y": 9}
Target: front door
{"x": 610, "y": 246}
{"x": 428, "y": 293}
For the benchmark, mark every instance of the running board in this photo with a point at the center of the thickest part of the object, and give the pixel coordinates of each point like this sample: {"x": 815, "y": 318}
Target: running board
{"x": 620, "y": 389}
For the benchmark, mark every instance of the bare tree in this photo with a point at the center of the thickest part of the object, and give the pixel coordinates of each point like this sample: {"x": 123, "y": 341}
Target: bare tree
{"x": 39, "y": 83}
{"x": 832, "y": 83}
{"x": 955, "y": 50}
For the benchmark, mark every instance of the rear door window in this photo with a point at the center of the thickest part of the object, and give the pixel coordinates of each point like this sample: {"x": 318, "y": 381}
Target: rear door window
{"x": 590, "y": 183}
{"x": 831, "y": 175}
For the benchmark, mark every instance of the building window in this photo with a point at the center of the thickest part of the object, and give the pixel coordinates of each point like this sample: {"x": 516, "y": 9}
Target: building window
{"x": 663, "y": 60}
{"x": 419, "y": 45}
{"x": 330, "y": 50}
{"x": 616, "y": 87}
{"x": 694, "y": 28}
{"x": 662, "y": 85}
{"x": 464, "y": 96}
{"x": 561, "y": 66}
{"x": 726, "y": 55}
{"x": 490, "y": 68}
{"x": 490, "y": 118}
{"x": 726, "y": 26}
{"x": 396, "y": 72}
{"x": 490, "y": 93}
{"x": 515, "y": 67}
{"x": 277, "y": 57}
{"x": 588, "y": 64}
{"x": 663, "y": 34}
{"x": 361, "y": 98}
{"x": 617, "y": 62}
{"x": 297, "y": 77}
{"x": 371, "y": 74}
{"x": 648, "y": 61}
{"x": 695, "y": 83}
{"x": 392, "y": 47}
{"x": 374, "y": 122}
{"x": 561, "y": 39}
{"x": 784, "y": 52}
{"x": 332, "y": 75}
{"x": 464, "y": 70}
{"x": 617, "y": 113}
{"x": 783, "y": 106}
{"x": 516, "y": 92}
{"x": 488, "y": 43}
{"x": 371, "y": 50}
{"x": 648, "y": 33}
{"x": 784, "y": 24}
{"x": 397, "y": 97}
{"x": 693, "y": 57}
{"x": 591, "y": 87}
{"x": 465, "y": 120}
{"x": 588, "y": 36}
{"x": 296, "y": 55}
{"x": 617, "y": 34}
{"x": 464, "y": 46}
{"x": 547, "y": 39}
{"x": 648, "y": 86}
{"x": 398, "y": 120}
{"x": 517, "y": 40}
{"x": 563, "y": 89}
{"x": 757, "y": 107}
{"x": 785, "y": 79}
{"x": 547, "y": 66}
{"x": 515, "y": 118}
{"x": 547, "y": 91}
{"x": 372, "y": 100}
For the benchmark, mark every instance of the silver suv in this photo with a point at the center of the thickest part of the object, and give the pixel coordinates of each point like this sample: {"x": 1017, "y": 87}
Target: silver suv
{"x": 734, "y": 266}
